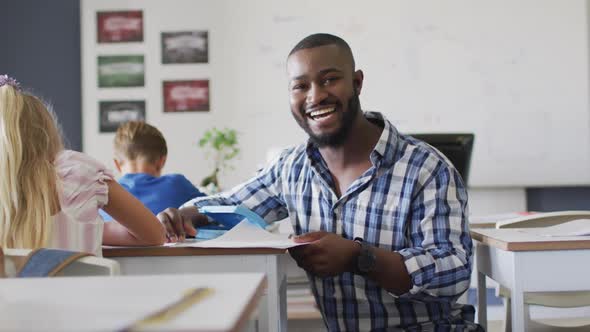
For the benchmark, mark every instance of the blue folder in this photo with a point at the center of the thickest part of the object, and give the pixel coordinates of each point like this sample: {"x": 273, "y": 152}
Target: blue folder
{"x": 224, "y": 217}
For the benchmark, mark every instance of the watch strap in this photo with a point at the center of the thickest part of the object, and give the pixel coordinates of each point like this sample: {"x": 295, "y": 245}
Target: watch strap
{"x": 365, "y": 260}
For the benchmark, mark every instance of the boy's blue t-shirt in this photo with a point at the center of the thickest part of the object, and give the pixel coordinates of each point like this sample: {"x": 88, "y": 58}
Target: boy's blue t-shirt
{"x": 158, "y": 193}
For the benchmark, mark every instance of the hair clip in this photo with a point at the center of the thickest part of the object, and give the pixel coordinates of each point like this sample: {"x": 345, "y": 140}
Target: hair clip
{"x": 7, "y": 80}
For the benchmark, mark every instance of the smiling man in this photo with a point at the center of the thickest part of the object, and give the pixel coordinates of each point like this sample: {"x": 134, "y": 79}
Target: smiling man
{"x": 386, "y": 214}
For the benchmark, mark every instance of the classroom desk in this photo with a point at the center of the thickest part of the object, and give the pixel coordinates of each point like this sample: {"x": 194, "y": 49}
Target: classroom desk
{"x": 526, "y": 262}
{"x": 490, "y": 221}
{"x": 165, "y": 260}
{"x": 112, "y": 303}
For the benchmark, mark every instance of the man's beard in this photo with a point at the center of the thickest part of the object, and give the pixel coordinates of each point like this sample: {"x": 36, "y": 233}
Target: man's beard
{"x": 338, "y": 138}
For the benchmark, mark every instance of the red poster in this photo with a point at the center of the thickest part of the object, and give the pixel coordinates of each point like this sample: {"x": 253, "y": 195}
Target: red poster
{"x": 186, "y": 96}
{"x": 119, "y": 26}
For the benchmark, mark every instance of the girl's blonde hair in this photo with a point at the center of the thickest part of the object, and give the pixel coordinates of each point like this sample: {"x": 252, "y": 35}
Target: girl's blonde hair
{"x": 29, "y": 143}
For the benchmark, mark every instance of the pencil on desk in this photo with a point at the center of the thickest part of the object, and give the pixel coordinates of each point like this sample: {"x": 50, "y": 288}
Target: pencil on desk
{"x": 172, "y": 310}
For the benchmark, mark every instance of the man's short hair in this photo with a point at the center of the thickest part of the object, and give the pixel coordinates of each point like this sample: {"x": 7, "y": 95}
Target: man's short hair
{"x": 322, "y": 39}
{"x": 139, "y": 140}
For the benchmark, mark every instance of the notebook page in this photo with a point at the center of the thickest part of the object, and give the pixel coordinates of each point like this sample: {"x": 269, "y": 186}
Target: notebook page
{"x": 577, "y": 227}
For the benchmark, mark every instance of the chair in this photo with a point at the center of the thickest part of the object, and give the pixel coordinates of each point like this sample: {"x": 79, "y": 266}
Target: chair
{"x": 546, "y": 299}
{"x": 85, "y": 266}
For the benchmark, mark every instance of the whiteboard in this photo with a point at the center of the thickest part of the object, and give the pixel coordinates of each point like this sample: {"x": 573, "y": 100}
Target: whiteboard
{"x": 515, "y": 73}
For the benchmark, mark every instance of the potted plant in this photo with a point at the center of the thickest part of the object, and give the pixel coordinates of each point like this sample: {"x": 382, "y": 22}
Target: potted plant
{"x": 222, "y": 145}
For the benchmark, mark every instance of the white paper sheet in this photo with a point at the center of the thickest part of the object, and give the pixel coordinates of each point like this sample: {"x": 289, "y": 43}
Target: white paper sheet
{"x": 497, "y": 217}
{"x": 244, "y": 235}
{"x": 578, "y": 227}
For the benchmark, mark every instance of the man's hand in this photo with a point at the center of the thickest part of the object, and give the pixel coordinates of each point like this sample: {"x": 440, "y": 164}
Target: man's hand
{"x": 180, "y": 222}
{"x": 327, "y": 255}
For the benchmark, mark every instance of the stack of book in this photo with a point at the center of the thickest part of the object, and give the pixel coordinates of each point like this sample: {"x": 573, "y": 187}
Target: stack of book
{"x": 300, "y": 301}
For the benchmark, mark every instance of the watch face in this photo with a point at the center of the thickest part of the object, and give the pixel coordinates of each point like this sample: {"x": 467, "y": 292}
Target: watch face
{"x": 366, "y": 260}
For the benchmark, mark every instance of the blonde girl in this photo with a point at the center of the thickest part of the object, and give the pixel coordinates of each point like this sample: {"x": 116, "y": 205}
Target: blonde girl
{"x": 50, "y": 197}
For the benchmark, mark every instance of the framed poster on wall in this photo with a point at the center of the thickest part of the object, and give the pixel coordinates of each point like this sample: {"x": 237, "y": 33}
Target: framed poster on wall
{"x": 121, "y": 71}
{"x": 119, "y": 26}
{"x": 186, "y": 96}
{"x": 114, "y": 113}
{"x": 185, "y": 47}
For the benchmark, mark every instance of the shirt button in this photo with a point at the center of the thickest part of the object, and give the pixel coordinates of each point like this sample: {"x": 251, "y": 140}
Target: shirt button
{"x": 335, "y": 211}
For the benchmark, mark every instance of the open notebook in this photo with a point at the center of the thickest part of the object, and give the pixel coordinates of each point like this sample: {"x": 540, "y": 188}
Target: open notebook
{"x": 222, "y": 218}
{"x": 577, "y": 227}
{"x": 243, "y": 235}
{"x": 238, "y": 227}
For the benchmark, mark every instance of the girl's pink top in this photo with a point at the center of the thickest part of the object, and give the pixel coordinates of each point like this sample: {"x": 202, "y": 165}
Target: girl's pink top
{"x": 83, "y": 190}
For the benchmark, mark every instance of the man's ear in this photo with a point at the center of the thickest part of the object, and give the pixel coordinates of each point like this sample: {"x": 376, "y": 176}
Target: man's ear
{"x": 357, "y": 81}
{"x": 118, "y": 164}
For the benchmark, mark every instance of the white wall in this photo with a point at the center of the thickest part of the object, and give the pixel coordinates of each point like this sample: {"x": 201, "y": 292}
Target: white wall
{"x": 493, "y": 201}
{"x": 514, "y": 73}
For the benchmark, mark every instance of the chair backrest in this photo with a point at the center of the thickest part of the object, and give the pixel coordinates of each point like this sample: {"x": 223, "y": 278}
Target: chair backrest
{"x": 544, "y": 219}
{"x": 85, "y": 266}
{"x": 457, "y": 147}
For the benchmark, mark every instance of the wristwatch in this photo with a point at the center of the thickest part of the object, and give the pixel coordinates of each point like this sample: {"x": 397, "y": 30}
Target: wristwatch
{"x": 366, "y": 260}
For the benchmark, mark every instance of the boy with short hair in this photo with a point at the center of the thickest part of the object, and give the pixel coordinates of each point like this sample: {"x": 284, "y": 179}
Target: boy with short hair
{"x": 140, "y": 155}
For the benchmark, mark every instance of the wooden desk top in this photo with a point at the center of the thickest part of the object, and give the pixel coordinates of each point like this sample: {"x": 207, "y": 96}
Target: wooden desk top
{"x": 109, "y": 304}
{"x": 514, "y": 239}
{"x": 185, "y": 251}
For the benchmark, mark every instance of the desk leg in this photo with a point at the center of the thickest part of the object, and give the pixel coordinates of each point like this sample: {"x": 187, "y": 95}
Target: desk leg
{"x": 273, "y": 315}
{"x": 482, "y": 304}
{"x": 519, "y": 316}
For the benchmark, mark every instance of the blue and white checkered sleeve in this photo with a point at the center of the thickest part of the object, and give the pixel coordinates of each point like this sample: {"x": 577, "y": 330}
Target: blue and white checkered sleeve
{"x": 439, "y": 259}
{"x": 260, "y": 194}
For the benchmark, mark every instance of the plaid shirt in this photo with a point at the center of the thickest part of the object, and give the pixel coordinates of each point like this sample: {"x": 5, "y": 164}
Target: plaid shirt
{"x": 411, "y": 201}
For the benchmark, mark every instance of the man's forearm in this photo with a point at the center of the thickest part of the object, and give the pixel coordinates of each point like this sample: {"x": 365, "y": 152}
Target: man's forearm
{"x": 390, "y": 272}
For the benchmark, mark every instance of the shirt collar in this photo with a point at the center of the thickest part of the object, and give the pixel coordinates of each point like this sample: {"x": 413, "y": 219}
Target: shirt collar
{"x": 384, "y": 151}
{"x": 386, "y": 147}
